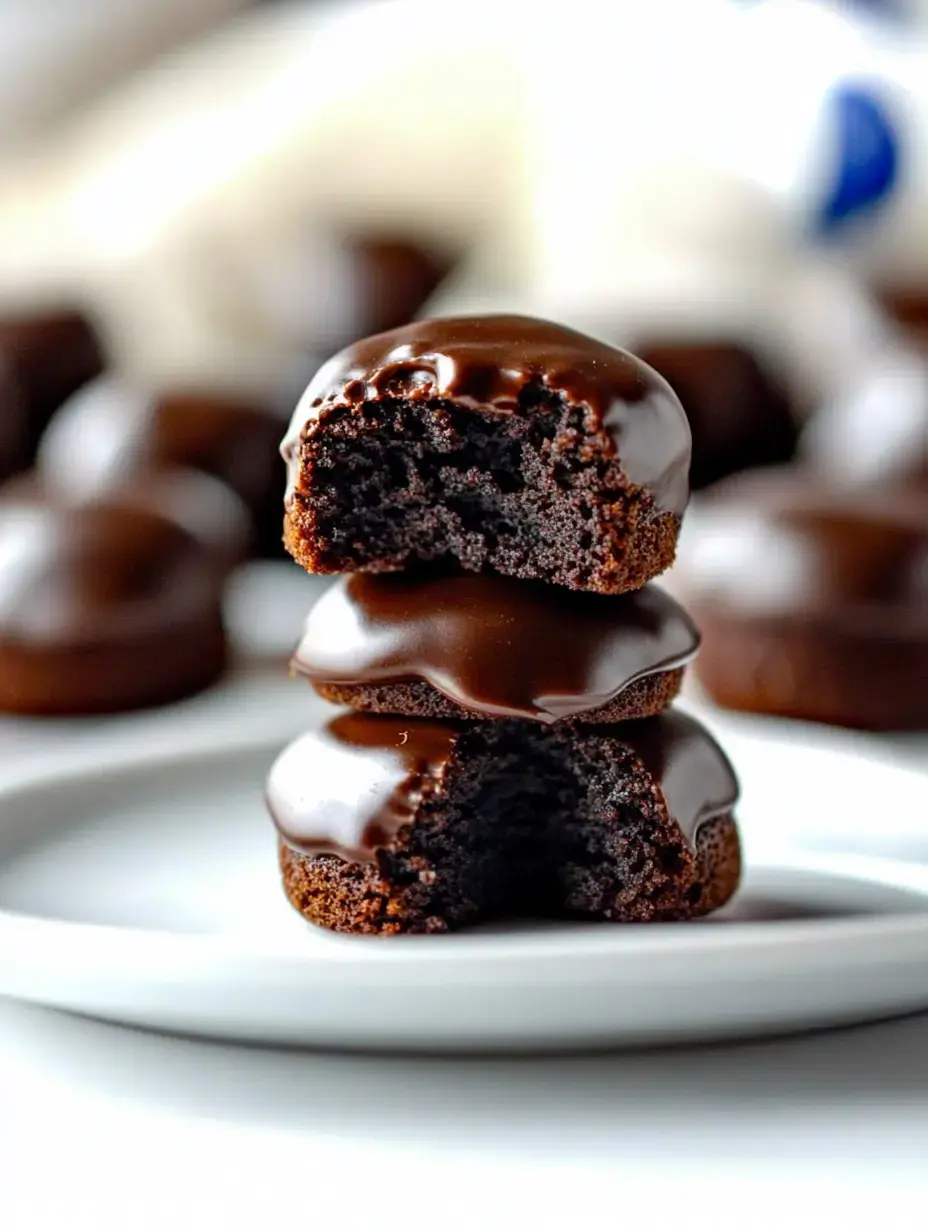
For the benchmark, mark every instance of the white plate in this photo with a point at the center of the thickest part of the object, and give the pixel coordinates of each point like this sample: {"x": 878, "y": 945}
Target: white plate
{"x": 145, "y": 891}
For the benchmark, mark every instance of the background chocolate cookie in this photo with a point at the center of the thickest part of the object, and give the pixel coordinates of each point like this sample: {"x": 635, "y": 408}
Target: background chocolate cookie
{"x": 44, "y": 358}
{"x": 112, "y": 433}
{"x": 103, "y": 608}
{"x": 812, "y": 602}
{"x": 739, "y": 413}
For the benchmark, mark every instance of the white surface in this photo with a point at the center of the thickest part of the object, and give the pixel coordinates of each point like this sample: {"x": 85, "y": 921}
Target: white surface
{"x": 144, "y": 890}
{"x": 104, "y": 1129}
{"x": 118, "y": 1130}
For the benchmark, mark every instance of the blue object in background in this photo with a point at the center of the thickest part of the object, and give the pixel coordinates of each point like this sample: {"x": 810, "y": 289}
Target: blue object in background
{"x": 867, "y": 157}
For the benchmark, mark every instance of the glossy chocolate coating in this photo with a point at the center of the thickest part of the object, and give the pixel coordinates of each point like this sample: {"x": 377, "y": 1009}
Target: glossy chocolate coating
{"x": 102, "y": 607}
{"x": 484, "y": 363}
{"x": 347, "y": 788}
{"x": 111, "y": 431}
{"x": 43, "y": 360}
{"x": 206, "y": 509}
{"x": 784, "y": 545}
{"x": 94, "y": 573}
{"x": 739, "y": 416}
{"x": 493, "y": 644}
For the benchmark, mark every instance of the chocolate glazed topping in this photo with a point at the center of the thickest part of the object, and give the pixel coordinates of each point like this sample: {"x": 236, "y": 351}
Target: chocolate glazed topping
{"x": 348, "y": 788}
{"x": 494, "y": 644}
{"x": 694, "y": 774}
{"x": 484, "y": 363}
{"x": 96, "y": 576}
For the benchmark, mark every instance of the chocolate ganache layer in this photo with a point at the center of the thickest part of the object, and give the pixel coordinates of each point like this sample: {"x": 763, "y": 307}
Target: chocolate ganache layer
{"x": 494, "y": 645}
{"x": 349, "y": 787}
{"x": 484, "y": 363}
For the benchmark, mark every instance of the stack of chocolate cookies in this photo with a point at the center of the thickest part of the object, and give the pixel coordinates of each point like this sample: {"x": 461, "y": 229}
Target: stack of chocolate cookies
{"x": 499, "y": 492}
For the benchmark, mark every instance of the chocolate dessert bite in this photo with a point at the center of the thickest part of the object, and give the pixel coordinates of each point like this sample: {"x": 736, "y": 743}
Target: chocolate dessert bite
{"x": 813, "y": 601}
{"x": 478, "y": 645}
{"x": 103, "y": 608}
{"x": 499, "y": 490}
{"x": 394, "y": 825}
{"x": 44, "y": 358}
{"x": 739, "y": 414}
{"x": 499, "y": 442}
{"x": 110, "y": 434}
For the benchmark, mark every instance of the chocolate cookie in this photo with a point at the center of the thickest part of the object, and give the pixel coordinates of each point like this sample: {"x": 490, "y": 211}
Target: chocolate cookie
{"x": 43, "y": 360}
{"x": 502, "y": 443}
{"x": 205, "y": 508}
{"x": 368, "y": 284}
{"x": 739, "y": 414}
{"x": 407, "y": 825}
{"x": 479, "y": 645}
{"x": 813, "y": 603}
{"x": 103, "y": 608}
{"x": 110, "y": 433}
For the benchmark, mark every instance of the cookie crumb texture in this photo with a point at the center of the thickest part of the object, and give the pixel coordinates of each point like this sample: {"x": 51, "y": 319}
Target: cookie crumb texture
{"x": 525, "y": 823}
{"x": 391, "y": 484}
{"x": 646, "y": 697}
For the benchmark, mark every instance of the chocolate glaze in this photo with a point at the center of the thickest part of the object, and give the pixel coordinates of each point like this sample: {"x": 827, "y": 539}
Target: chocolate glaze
{"x": 784, "y": 545}
{"x": 484, "y": 363}
{"x": 206, "y": 509}
{"x": 103, "y": 609}
{"x": 494, "y": 644}
{"x": 43, "y": 360}
{"x": 347, "y": 788}
{"x": 96, "y": 575}
{"x": 111, "y": 431}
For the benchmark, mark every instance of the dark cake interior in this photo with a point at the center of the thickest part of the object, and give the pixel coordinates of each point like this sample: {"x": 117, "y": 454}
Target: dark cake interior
{"x": 394, "y": 483}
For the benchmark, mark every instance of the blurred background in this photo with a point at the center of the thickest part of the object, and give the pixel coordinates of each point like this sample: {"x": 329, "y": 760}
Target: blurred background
{"x": 201, "y": 199}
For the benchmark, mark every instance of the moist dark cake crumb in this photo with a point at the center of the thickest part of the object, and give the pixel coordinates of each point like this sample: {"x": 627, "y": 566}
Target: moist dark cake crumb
{"x": 522, "y": 820}
{"x": 395, "y": 483}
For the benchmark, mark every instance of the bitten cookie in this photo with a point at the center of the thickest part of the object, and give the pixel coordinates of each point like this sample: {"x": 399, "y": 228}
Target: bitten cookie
{"x": 394, "y": 825}
{"x": 481, "y": 645}
{"x": 812, "y": 602}
{"x": 499, "y": 442}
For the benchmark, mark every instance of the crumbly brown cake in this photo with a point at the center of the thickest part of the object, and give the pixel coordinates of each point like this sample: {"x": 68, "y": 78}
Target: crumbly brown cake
{"x": 642, "y": 699}
{"x": 497, "y": 443}
{"x": 403, "y": 825}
